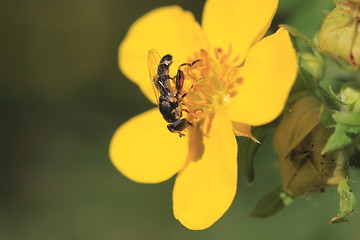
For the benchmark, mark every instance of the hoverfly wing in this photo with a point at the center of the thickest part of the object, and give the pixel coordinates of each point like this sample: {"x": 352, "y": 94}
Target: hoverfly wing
{"x": 153, "y": 63}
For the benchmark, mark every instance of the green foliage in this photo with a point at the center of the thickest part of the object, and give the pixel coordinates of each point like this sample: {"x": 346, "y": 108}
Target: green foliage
{"x": 334, "y": 112}
{"x": 347, "y": 119}
{"x": 346, "y": 1}
{"x": 326, "y": 117}
{"x": 299, "y": 35}
{"x": 310, "y": 43}
{"x": 354, "y": 159}
{"x": 333, "y": 81}
{"x": 342, "y": 136}
{"x": 272, "y": 203}
{"x": 313, "y": 64}
{"x": 247, "y": 157}
{"x": 347, "y": 203}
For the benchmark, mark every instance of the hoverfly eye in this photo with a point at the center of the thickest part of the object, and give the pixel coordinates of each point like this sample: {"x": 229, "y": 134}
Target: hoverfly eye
{"x": 167, "y": 58}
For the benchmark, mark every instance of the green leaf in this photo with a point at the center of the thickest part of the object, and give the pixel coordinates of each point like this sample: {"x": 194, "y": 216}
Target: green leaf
{"x": 345, "y": 1}
{"x": 313, "y": 64}
{"x": 347, "y": 128}
{"x": 350, "y": 95}
{"x": 335, "y": 97}
{"x": 347, "y": 203}
{"x": 347, "y": 118}
{"x": 326, "y": 117}
{"x": 249, "y": 149}
{"x": 354, "y": 158}
{"x": 272, "y": 203}
{"x": 299, "y": 35}
{"x": 329, "y": 99}
{"x": 342, "y": 136}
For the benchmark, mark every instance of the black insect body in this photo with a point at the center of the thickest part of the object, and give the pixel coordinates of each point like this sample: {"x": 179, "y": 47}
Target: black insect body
{"x": 169, "y": 102}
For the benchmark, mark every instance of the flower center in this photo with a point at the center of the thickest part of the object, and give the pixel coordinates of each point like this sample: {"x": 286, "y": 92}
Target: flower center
{"x": 213, "y": 83}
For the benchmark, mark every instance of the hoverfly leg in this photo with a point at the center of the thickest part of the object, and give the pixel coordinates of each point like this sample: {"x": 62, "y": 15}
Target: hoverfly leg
{"x": 180, "y": 77}
{"x": 173, "y": 79}
{"x": 184, "y": 95}
{"x": 190, "y": 124}
{"x": 189, "y": 64}
{"x": 178, "y": 126}
{"x": 179, "y": 80}
{"x": 197, "y": 110}
{"x": 193, "y": 113}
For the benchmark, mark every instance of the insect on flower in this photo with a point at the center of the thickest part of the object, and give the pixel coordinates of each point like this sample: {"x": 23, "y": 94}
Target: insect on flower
{"x": 168, "y": 100}
{"x": 231, "y": 97}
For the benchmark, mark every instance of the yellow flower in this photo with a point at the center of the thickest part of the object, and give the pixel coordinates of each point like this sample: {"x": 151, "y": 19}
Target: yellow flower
{"x": 242, "y": 81}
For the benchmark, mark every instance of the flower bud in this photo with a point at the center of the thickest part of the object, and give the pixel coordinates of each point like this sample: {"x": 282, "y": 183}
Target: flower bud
{"x": 313, "y": 64}
{"x": 350, "y": 95}
{"x": 298, "y": 141}
{"x": 339, "y": 35}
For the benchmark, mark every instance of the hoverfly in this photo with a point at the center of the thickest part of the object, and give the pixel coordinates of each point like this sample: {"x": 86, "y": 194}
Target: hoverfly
{"x": 169, "y": 101}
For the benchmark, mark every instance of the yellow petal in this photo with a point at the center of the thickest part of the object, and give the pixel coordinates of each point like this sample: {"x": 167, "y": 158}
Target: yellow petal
{"x": 145, "y": 151}
{"x": 269, "y": 72}
{"x": 239, "y": 23}
{"x": 206, "y": 187}
{"x": 169, "y": 30}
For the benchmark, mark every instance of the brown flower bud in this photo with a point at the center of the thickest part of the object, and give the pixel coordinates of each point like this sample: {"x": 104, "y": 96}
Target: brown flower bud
{"x": 299, "y": 140}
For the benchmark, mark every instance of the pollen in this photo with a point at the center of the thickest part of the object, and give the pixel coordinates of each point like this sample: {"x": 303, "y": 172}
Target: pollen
{"x": 211, "y": 82}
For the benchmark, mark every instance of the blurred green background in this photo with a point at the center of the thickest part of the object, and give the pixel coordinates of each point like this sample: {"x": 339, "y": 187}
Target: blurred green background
{"x": 62, "y": 97}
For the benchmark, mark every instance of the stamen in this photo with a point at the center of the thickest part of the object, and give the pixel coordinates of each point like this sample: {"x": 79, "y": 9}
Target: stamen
{"x": 213, "y": 82}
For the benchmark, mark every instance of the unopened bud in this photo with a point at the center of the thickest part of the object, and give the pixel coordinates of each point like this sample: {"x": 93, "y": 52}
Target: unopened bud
{"x": 299, "y": 140}
{"x": 350, "y": 95}
{"x": 313, "y": 64}
{"x": 339, "y": 35}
